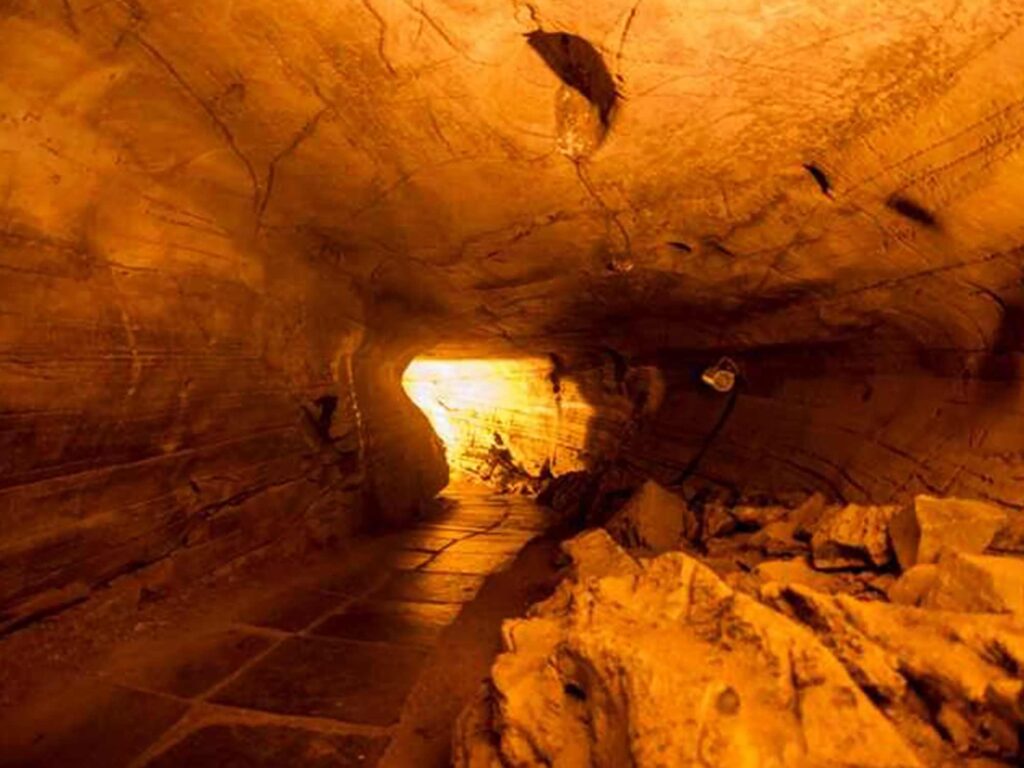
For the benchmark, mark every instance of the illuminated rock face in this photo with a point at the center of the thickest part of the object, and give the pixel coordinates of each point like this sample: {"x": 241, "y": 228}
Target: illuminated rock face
{"x": 529, "y": 409}
{"x": 658, "y": 662}
{"x": 226, "y": 229}
{"x": 660, "y": 649}
{"x": 478, "y": 407}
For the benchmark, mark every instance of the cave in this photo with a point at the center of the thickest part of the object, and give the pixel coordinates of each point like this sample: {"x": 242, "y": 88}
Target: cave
{"x": 581, "y": 383}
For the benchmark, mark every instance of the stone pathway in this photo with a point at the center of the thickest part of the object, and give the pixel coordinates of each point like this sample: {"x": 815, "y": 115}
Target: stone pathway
{"x": 316, "y": 675}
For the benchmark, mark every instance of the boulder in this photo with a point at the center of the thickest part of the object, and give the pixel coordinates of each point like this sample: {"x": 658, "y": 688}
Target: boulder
{"x": 653, "y": 519}
{"x": 920, "y": 533}
{"x": 718, "y": 521}
{"x": 1010, "y": 537}
{"x": 853, "y": 536}
{"x": 913, "y": 585}
{"x": 594, "y": 554}
{"x": 752, "y": 516}
{"x": 806, "y": 516}
{"x": 877, "y": 584}
{"x": 778, "y": 539}
{"x": 977, "y": 584}
{"x": 866, "y": 584}
{"x": 665, "y": 665}
{"x": 951, "y": 680}
{"x": 795, "y": 571}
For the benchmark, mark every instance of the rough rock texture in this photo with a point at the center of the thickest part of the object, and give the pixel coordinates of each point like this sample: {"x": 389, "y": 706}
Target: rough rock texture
{"x": 920, "y": 533}
{"x": 653, "y": 519}
{"x": 1010, "y": 538}
{"x": 912, "y": 585}
{"x": 951, "y": 680}
{"x": 795, "y": 571}
{"x": 594, "y": 677}
{"x": 977, "y": 584}
{"x": 852, "y": 536}
{"x": 530, "y": 410}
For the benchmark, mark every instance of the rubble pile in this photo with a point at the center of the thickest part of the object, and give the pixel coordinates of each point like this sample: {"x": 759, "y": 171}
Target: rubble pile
{"x": 797, "y": 633}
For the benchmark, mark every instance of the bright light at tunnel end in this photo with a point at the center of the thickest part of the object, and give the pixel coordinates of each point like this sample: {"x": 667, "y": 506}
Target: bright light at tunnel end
{"x": 471, "y": 401}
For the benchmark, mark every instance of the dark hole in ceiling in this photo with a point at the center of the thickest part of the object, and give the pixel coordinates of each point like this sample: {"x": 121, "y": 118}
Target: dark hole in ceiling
{"x": 579, "y": 65}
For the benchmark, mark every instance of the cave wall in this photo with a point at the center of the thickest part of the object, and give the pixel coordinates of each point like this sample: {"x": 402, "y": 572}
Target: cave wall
{"x": 856, "y": 423}
{"x": 860, "y": 420}
{"x": 404, "y": 460}
{"x": 177, "y": 389}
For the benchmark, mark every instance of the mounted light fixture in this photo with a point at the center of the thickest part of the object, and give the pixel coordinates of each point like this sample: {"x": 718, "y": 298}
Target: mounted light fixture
{"x": 721, "y": 376}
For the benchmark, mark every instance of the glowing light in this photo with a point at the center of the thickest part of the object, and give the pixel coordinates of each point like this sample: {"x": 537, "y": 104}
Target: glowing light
{"x": 477, "y": 404}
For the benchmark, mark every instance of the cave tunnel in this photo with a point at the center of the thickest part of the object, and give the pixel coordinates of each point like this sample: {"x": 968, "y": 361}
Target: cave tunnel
{"x": 578, "y": 383}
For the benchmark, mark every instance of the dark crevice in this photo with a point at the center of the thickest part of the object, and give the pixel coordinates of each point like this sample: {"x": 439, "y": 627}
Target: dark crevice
{"x": 574, "y": 691}
{"x": 680, "y": 246}
{"x": 579, "y": 65}
{"x": 324, "y": 416}
{"x": 820, "y": 177}
{"x": 909, "y": 209}
{"x": 621, "y": 368}
{"x": 558, "y": 371}
{"x": 711, "y": 244}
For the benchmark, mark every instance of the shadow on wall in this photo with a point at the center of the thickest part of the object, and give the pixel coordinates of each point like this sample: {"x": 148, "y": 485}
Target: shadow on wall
{"x": 1003, "y": 361}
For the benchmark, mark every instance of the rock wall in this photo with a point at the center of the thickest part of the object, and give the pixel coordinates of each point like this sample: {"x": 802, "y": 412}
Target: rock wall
{"x": 856, "y": 423}
{"x": 176, "y": 387}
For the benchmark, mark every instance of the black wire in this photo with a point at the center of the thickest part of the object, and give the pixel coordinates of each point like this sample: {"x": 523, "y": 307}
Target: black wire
{"x": 723, "y": 417}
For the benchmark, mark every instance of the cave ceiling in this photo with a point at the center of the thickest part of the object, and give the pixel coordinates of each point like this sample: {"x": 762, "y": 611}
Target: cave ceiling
{"x": 692, "y": 173}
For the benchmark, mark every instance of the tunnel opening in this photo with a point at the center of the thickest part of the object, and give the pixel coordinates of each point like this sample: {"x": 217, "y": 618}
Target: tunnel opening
{"x": 510, "y": 422}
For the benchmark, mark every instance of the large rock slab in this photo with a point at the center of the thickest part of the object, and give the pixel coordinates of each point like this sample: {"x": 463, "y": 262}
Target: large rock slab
{"x": 912, "y": 586}
{"x": 1010, "y": 537}
{"x": 853, "y": 536}
{"x": 659, "y": 663}
{"x": 920, "y": 532}
{"x": 977, "y": 584}
{"x": 952, "y": 680}
{"x": 796, "y": 571}
{"x": 653, "y": 519}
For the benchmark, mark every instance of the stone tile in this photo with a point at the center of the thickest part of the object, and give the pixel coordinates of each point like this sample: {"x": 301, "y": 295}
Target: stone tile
{"x": 454, "y": 532}
{"x": 431, "y": 587}
{"x": 426, "y": 541}
{"x": 270, "y": 746}
{"x": 293, "y": 610}
{"x": 354, "y": 585}
{"x": 106, "y": 730}
{"x": 479, "y": 563}
{"x": 408, "y": 561}
{"x": 468, "y": 520}
{"x": 526, "y": 522}
{"x": 348, "y": 681}
{"x": 388, "y": 621}
{"x": 492, "y": 544}
{"x": 195, "y": 665}
{"x": 457, "y": 528}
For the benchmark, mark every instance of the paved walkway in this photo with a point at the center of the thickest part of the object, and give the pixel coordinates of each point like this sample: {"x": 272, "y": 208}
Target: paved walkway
{"x": 314, "y": 676}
